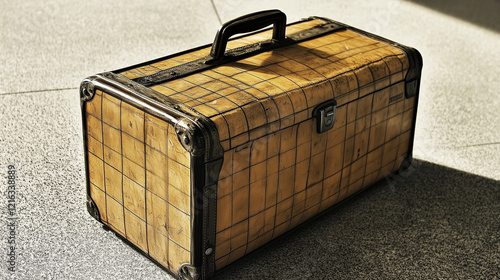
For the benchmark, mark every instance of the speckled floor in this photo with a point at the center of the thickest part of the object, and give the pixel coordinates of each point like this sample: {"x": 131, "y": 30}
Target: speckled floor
{"x": 439, "y": 220}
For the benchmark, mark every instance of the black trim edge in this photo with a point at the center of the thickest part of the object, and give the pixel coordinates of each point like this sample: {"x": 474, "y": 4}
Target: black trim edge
{"x": 204, "y": 175}
{"x": 86, "y": 94}
{"x": 412, "y": 89}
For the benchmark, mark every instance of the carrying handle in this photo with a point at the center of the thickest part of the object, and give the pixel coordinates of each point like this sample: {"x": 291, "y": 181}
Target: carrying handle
{"x": 248, "y": 23}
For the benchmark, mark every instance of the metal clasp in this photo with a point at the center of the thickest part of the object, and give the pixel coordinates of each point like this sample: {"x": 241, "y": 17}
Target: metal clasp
{"x": 325, "y": 115}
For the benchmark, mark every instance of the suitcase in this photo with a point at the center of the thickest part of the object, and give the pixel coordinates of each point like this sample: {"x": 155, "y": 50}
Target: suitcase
{"x": 198, "y": 158}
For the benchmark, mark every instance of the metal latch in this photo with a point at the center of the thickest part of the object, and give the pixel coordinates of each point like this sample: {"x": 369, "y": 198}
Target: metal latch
{"x": 325, "y": 115}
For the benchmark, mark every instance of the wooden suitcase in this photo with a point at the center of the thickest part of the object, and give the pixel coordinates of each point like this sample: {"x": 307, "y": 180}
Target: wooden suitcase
{"x": 200, "y": 157}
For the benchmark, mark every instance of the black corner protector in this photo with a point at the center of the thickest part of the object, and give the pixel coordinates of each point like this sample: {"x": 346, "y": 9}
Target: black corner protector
{"x": 411, "y": 88}
{"x": 92, "y": 209}
{"x": 87, "y": 90}
{"x": 414, "y": 72}
{"x": 188, "y": 272}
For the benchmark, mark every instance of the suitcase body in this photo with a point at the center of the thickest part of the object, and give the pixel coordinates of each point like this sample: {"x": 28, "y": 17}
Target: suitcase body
{"x": 201, "y": 157}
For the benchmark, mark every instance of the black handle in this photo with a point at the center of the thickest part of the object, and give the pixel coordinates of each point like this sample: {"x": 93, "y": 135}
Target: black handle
{"x": 248, "y": 23}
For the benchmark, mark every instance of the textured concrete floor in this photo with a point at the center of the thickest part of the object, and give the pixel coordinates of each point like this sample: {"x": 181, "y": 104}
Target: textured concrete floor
{"x": 441, "y": 220}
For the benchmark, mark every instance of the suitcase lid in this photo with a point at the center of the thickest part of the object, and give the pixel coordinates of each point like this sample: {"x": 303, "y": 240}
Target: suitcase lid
{"x": 261, "y": 85}
{"x": 272, "y": 79}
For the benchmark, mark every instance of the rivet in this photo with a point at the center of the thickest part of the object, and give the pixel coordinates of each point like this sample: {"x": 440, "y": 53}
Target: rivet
{"x": 210, "y": 189}
{"x": 208, "y": 251}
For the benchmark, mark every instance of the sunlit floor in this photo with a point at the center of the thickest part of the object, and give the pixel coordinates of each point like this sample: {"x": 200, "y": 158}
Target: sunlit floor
{"x": 441, "y": 220}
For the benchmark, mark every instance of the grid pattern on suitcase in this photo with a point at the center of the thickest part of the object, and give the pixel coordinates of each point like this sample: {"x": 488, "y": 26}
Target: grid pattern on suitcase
{"x": 278, "y": 181}
{"x": 277, "y": 171}
{"x": 275, "y": 90}
{"x": 139, "y": 178}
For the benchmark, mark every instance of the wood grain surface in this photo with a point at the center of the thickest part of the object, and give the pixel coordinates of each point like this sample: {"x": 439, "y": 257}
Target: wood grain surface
{"x": 140, "y": 179}
{"x": 277, "y": 171}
